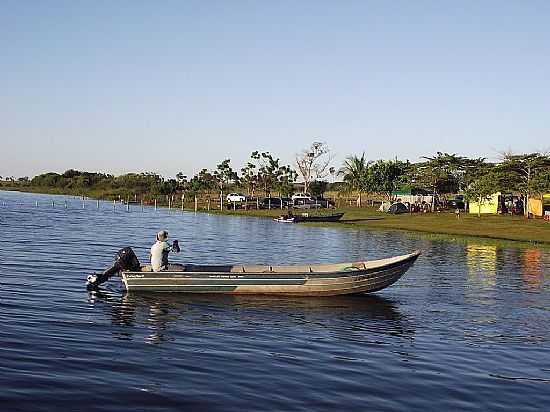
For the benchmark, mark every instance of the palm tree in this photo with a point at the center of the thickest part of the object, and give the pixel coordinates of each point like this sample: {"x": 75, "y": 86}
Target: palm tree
{"x": 355, "y": 172}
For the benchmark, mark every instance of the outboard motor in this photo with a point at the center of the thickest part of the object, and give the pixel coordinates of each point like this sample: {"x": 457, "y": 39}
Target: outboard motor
{"x": 125, "y": 259}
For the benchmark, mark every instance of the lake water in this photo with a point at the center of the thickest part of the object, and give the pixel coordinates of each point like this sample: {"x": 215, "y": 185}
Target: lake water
{"x": 466, "y": 328}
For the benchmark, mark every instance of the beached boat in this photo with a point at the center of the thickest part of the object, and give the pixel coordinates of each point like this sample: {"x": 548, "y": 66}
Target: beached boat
{"x": 309, "y": 218}
{"x": 294, "y": 280}
{"x": 320, "y": 218}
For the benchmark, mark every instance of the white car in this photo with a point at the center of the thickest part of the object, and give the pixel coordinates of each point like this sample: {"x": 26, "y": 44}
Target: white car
{"x": 302, "y": 196}
{"x": 235, "y": 197}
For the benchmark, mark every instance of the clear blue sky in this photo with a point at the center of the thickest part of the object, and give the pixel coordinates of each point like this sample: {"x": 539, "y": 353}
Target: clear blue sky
{"x": 164, "y": 86}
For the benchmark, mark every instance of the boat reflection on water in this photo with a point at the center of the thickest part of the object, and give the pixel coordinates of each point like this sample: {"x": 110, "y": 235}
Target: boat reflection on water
{"x": 165, "y": 317}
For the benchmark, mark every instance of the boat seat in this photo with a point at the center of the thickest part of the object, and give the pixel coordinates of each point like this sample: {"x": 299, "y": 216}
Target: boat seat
{"x": 256, "y": 268}
{"x": 237, "y": 269}
{"x": 333, "y": 267}
{"x": 292, "y": 269}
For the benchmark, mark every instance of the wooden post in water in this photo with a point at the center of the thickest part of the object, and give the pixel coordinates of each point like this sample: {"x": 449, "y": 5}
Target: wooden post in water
{"x": 182, "y": 201}
{"x": 128, "y": 203}
{"x": 65, "y": 204}
{"x": 114, "y": 205}
{"x": 169, "y": 204}
{"x": 196, "y": 203}
{"x": 155, "y": 204}
{"x": 97, "y": 204}
{"x": 36, "y": 203}
{"x": 53, "y": 204}
{"x": 142, "y": 204}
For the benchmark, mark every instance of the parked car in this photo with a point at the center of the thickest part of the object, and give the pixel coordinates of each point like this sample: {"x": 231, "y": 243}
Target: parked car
{"x": 274, "y": 202}
{"x": 235, "y": 197}
{"x": 301, "y": 196}
{"x": 456, "y": 203}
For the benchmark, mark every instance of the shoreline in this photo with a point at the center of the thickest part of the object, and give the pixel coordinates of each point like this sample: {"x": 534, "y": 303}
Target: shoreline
{"x": 515, "y": 230}
{"x": 512, "y": 230}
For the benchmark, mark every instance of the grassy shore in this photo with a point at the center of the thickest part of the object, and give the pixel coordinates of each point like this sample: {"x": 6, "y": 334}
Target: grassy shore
{"x": 508, "y": 228}
{"x": 443, "y": 224}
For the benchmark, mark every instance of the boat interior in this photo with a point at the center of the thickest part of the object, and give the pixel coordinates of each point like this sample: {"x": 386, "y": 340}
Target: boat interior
{"x": 326, "y": 268}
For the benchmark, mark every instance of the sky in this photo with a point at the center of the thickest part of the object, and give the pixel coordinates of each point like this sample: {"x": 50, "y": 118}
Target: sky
{"x": 167, "y": 86}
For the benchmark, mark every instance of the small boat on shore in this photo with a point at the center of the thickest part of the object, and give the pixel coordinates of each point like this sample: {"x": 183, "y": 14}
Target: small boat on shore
{"x": 292, "y": 280}
{"x": 309, "y": 218}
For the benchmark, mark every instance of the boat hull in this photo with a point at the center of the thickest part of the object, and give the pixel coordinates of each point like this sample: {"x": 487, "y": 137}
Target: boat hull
{"x": 322, "y": 218}
{"x": 371, "y": 277}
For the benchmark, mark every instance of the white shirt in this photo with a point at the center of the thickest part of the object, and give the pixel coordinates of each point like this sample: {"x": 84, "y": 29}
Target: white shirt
{"x": 157, "y": 250}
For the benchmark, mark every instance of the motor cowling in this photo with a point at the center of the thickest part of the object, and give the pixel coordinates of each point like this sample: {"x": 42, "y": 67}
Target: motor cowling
{"x": 125, "y": 259}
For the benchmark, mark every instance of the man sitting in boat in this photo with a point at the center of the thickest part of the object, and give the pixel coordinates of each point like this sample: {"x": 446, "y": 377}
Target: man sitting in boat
{"x": 160, "y": 250}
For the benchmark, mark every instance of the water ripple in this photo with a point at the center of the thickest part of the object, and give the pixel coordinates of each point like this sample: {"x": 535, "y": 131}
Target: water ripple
{"x": 466, "y": 329}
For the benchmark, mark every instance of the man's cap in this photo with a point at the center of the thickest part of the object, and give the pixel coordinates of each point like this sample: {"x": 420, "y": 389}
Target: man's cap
{"x": 162, "y": 235}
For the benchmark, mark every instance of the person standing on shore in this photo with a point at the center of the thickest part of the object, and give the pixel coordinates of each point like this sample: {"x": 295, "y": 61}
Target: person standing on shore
{"x": 160, "y": 250}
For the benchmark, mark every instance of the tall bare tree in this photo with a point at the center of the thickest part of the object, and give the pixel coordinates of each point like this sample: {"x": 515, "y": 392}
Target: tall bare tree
{"x": 313, "y": 163}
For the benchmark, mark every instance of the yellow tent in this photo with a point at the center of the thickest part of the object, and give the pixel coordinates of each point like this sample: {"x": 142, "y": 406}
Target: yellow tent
{"x": 488, "y": 205}
{"x": 534, "y": 206}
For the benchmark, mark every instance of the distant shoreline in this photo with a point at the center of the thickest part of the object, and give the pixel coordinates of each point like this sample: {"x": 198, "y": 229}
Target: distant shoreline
{"x": 515, "y": 229}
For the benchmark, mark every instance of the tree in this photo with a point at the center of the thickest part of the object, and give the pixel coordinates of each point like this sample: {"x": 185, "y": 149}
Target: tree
{"x": 224, "y": 175}
{"x": 313, "y": 163}
{"x": 386, "y": 175}
{"x": 318, "y": 188}
{"x": 201, "y": 182}
{"x": 541, "y": 183}
{"x": 438, "y": 173}
{"x": 355, "y": 172}
{"x": 483, "y": 187}
{"x": 523, "y": 170}
{"x": 286, "y": 176}
{"x": 249, "y": 178}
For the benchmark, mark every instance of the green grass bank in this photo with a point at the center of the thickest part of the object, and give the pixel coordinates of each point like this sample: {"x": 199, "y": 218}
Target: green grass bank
{"x": 498, "y": 227}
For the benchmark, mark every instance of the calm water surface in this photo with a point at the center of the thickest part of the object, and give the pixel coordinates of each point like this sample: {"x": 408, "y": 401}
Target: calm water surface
{"x": 467, "y": 328}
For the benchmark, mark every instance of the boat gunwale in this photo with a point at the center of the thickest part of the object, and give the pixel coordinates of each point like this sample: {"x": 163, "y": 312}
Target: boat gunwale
{"x": 311, "y": 274}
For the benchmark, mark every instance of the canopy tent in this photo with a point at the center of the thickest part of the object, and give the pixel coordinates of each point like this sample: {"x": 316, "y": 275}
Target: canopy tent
{"x": 487, "y": 205}
{"x": 534, "y": 206}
